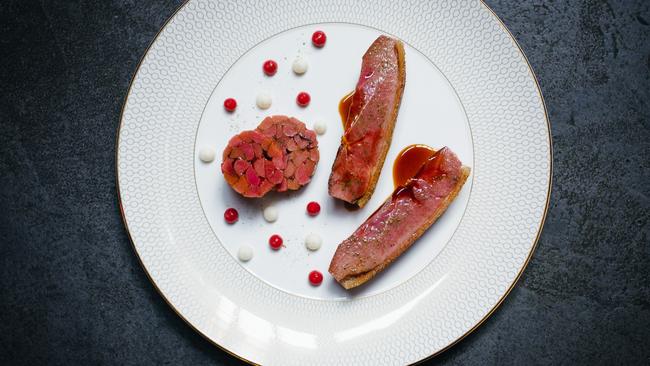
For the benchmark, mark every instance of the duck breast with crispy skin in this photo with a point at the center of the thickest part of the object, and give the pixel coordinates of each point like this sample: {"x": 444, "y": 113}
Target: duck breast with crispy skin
{"x": 370, "y": 122}
{"x": 400, "y": 220}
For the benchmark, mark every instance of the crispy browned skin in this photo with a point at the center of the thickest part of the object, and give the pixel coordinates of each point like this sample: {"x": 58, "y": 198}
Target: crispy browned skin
{"x": 401, "y": 220}
{"x": 369, "y": 132}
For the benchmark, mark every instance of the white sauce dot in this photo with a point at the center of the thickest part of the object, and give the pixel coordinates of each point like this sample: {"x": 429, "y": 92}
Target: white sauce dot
{"x": 245, "y": 253}
{"x": 313, "y": 242}
{"x": 300, "y": 65}
{"x": 263, "y": 100}
{"x": 320, "y": 127}
{"x": 271, "y": 213}
{"x": 206, "y": 154}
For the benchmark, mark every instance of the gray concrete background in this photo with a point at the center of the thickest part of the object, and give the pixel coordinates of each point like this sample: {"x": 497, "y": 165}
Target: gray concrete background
{"x": 73, "y": 293}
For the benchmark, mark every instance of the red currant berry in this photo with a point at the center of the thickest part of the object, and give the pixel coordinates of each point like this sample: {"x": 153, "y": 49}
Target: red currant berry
{"x": 270, "y": 67}
{"x": 230, "y": 104}
{"x": 275, "y": 241}
{"x": 231, "y": 215}
{"x": 318, "y": 39}
{"x": 303, "y": 99}
{"x": 315, "y": 278}
{"x": 313, "y": 208}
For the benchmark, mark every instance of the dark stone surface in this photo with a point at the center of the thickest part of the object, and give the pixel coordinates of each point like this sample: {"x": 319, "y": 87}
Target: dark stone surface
{"x": 73, "y": 293}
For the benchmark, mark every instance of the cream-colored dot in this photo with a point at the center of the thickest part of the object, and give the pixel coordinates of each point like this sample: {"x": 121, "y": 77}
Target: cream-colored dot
{"x": 206, "y": 154}
{"x": 263, "y": 100}
{"x": 271, "y": 213}
{"x": 245, "y": 253}
{"x": 320, "y": 127}
{"x": 300, "y": 65}
{"x": 313, "y": 242}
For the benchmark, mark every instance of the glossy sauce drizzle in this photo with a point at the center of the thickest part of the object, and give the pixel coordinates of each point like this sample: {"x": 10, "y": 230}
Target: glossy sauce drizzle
{"x": 409, "y": 161}
{"x": 344, "y": 108}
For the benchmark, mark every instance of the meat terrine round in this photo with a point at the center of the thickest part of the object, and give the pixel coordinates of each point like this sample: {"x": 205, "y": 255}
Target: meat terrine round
{"x": 281, "y": 154}
{"x": 299, "y": 145}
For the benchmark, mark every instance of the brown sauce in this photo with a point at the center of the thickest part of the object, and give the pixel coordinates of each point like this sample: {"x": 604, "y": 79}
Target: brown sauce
{"x": 409, "y": 161}
{"x": 344, "y": 108}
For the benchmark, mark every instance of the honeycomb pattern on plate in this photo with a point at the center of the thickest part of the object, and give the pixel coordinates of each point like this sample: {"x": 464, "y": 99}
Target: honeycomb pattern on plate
{"x": 263, "y": 324}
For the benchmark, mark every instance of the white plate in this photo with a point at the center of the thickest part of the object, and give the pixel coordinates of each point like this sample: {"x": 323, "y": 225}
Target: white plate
{"x": 468, "y": 87}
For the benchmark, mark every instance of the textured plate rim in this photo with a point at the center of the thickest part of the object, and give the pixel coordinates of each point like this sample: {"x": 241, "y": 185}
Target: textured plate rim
{"x": 453, "y": 343}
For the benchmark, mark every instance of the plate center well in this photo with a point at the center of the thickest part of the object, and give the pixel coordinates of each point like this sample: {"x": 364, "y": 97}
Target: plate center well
{"x": 430, "y": 113}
